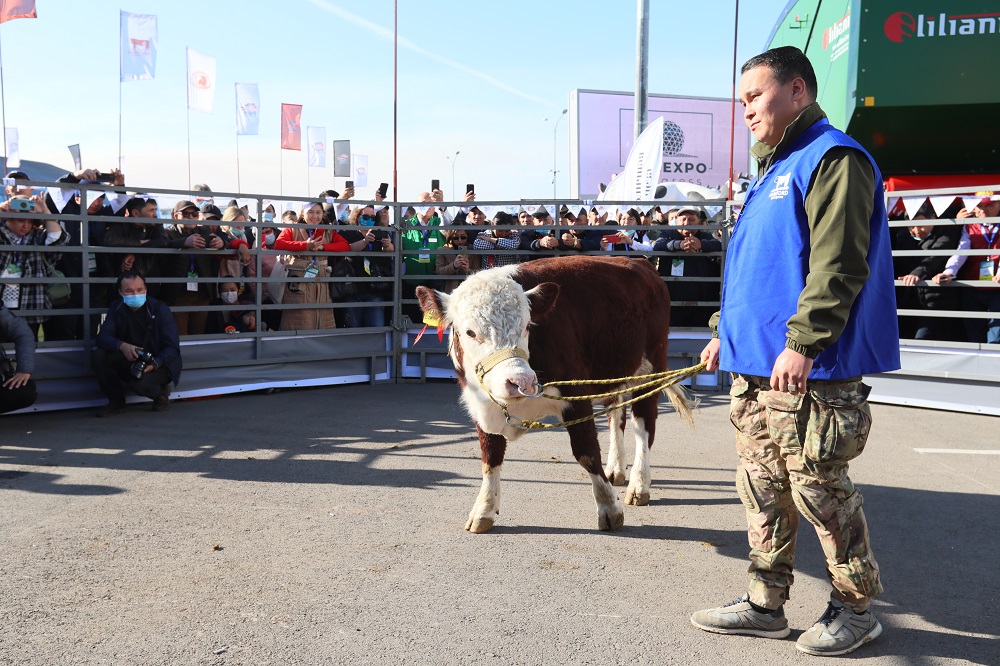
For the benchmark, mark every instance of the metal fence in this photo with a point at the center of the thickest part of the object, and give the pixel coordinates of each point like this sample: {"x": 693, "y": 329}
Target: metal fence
{"x": 224, "y": 363}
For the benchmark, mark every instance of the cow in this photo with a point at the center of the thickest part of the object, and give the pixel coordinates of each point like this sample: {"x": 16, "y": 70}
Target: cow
{"x": 561, "y": 318}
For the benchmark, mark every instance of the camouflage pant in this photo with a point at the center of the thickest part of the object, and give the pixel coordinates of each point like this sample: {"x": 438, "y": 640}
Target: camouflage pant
{"x": 794, "y": 452}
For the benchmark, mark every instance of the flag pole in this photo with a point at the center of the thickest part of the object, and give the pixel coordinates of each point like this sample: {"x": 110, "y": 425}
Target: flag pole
{"x": 189, "y": 143}
{"x": 188, "y": 96}
{"x": 281, "y": 161}
{"x": 121, "y": 40}
{"x": 239, "y": 188}
{"x": 732, "y": 118}
{"x": 3, "y": 114}
{"x": 395, "y": 34}
{"x": 309, "y": 183}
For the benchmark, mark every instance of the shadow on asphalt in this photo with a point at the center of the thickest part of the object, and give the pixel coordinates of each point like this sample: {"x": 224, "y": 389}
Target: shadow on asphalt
{"x": 936, "y": 550}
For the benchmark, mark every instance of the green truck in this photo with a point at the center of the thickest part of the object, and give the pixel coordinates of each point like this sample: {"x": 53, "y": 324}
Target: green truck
{"x": 914, "y": 81}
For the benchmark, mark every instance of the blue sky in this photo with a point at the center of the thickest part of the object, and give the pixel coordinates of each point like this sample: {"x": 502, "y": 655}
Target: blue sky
{"x": 475, "y": 77}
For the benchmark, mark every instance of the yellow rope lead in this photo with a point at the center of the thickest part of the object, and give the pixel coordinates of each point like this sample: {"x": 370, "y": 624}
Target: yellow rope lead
{"x": 659, "y": 380}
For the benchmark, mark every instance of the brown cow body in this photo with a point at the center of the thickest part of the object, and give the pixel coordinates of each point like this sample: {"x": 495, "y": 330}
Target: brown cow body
{"x": 590, "y": 318}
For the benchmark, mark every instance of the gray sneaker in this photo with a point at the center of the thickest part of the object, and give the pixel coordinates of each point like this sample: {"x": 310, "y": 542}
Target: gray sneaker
{"x": 739, "y": 617}
{"x": 839, "y": 631}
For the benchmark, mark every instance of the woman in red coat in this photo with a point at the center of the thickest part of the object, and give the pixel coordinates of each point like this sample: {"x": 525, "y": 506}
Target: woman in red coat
{"x": 301, "y": 243}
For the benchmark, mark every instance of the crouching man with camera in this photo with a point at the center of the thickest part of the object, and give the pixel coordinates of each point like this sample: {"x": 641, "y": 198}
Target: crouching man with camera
{"x": 137, "y": 344}
{"x": 17, "y": 388}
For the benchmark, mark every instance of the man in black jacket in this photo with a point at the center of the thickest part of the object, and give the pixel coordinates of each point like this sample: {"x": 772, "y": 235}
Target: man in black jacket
{"x": 66, "y": 201}
{"x": 147, "y": 233}
{"x": 685, "y": 237}
{"x": 188, "y": 233}
{"x": 911, "y": 271}
{"x": 138, "y": 344}
{"x": 17, "y": 390}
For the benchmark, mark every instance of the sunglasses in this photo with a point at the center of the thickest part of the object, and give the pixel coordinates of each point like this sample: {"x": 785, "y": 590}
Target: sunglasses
{"x": 189, "y": 215}
{"x": 461, "y": 237}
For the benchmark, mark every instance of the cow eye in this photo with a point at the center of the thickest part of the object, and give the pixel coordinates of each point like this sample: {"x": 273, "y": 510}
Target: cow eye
{"x": 471, "y": 334}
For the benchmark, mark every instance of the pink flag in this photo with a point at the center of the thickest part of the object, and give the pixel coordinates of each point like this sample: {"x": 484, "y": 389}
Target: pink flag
{"x": 291, "y": 127}
{"x": 15, "y": 9}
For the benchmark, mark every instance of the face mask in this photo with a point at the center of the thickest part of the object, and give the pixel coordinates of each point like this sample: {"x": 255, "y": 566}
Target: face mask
{"x": 916, "y": 238}
{"x": 236, "y": 233}
{"x": 269, "y": 239}
{"x": 134, "y": 301}
{"x": 228, "y": 297}
{"x": 268, "y": 217}
{"x": 366, "y": 221}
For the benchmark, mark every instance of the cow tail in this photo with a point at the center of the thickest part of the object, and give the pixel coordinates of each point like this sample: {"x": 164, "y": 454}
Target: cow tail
{"x": 683, "y": 402}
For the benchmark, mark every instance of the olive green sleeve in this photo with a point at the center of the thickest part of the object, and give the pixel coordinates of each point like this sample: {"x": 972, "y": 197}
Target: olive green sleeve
{"x": 713, "y": 323}
{"x": 838, "y": 207}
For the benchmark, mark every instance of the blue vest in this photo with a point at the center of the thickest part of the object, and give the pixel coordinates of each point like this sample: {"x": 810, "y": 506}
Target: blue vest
{"x": 767, "y": 265}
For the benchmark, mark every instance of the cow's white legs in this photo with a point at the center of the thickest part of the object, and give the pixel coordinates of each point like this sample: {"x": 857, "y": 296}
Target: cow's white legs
{"x": 610, "y": 512}
{"x": 641, "y": 478}
{"x": 486, "y": 510}
{"x": 615, "y": 469}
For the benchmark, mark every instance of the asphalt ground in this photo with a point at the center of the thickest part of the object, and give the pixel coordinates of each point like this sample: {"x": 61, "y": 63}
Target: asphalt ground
{"x": 325, "y": 526}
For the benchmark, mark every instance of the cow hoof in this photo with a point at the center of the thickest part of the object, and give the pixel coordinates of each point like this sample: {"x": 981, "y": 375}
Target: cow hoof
{"x": 610, "y": 520}
{"x": 479, "y": 525}
{"x": 615, "y": 478}
{"x": 636, "y": 498}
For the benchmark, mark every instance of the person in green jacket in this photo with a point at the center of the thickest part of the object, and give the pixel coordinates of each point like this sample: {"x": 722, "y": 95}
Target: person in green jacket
{"x": 420, "y": 240}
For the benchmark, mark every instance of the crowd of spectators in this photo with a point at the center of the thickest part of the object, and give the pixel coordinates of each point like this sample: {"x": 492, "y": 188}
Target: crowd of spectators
{"x": 331, "y": 264}
{"x": 925, "y": 279}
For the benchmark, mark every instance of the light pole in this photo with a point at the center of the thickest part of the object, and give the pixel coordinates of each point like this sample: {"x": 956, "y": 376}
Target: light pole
{"x": 555, "y": 126}
{"x": 453, "y": 158}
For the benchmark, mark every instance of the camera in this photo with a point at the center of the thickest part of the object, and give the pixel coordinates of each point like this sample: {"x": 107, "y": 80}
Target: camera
{"x": 22, "y": 205}
{"x": 7, "y": 369}
{"x": 139, "y": 366}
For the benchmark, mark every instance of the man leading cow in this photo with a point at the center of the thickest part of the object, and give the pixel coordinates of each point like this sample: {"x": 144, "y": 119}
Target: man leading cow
{"x": 807, "y": 309}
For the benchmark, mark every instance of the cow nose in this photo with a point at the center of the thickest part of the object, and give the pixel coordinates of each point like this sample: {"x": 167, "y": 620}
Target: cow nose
{"x": 521, "y": 385}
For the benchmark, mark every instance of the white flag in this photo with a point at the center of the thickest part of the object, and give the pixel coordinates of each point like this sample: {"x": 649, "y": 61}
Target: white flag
{"x": 13, "y": 151}
{"x": 913, "y": 204}
{"x": 942, "y": 203}
{"x": 360, "y": 170}
{"x": 643, "y": 166}
{"x": 139, "y": 45}
{"x": 201, "y": 81}
{"x": 247, "y": 108}
{"x": 316, "y": 138}
{"x": 74, "y": 151}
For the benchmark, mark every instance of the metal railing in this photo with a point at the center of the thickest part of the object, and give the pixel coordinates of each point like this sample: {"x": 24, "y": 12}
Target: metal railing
{"x": 360, "y": 354}
{"x": 383, "y": 350}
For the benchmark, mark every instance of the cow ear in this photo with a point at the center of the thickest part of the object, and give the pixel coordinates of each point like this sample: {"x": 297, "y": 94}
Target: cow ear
{"x": 432, "y": 302}
{"x": 542, "y": 299}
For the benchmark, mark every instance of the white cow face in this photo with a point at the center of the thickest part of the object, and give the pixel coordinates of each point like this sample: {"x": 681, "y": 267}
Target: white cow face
{"x": 487, "y": 313}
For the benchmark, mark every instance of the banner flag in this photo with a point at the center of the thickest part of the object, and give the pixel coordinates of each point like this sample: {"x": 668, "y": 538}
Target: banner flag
{"x": 912, "y": 205}
{"x": 644, "y": 165}
{"x": 15, "y": 9}
{"x": 247, "y": 108}
{"x": 139, "y": 46}
{"x": 316, "y": 138}
{"x": 941, "y": 204}
{"x": 342, "y": 159}
{"x": 360, "y": 171}
{"x": 201, "y": 81}
{"x": 13, "y": 150}
{"x": 291, "y": 127}
{"x": 74, "y": 150}
{"x": 968, "y": 202}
